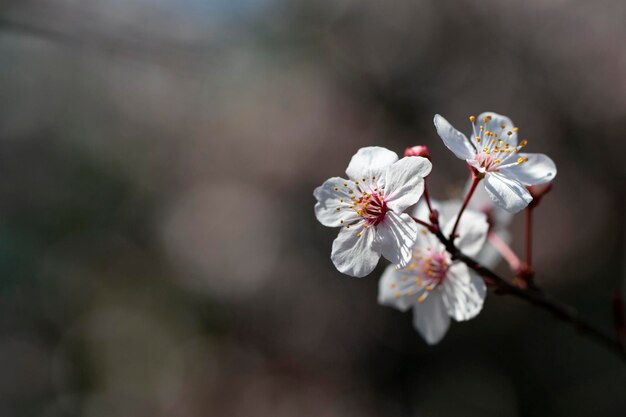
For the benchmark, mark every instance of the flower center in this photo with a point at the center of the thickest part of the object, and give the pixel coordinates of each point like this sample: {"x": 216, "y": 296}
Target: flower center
{"x": 426, "y": 271}
{"x": 493, "y": 148}
{"x": 371, "y": 207}
{"x": 433, "y": 267}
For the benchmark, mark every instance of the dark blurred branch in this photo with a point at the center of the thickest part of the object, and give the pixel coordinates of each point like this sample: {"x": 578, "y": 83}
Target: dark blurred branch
{"x": 535, "y": 296}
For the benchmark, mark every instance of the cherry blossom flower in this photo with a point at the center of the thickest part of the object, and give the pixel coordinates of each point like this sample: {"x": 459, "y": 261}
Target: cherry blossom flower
{"x": 434, "y": 285}
{"x": 369, "y": 209}
{"x": 494, "y": 153}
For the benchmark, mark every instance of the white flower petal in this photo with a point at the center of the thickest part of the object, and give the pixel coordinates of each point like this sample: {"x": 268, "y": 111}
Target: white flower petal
{"x": 370, "y": 162}
{"x": 538, "y": 169}
{"x": 403, "y": 182}
{"x": 420, "y": 210}
{"x": 330, "y": 210}
{"x": 481, "y": 201}
{"x": 431, "y": 319}
{"x": 495, "y": 125}
{"x": 463, "y": 292}
{"x": 353, "y": 255}
{"x": 388, "y": 294}
{"x": 472, "y": 231}
{"x": 396, "y": 236}
{"x": 507, "y": 193}
{"x": 453, "y": 139}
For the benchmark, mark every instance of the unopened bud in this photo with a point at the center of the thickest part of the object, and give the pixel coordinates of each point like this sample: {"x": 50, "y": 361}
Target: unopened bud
{"x": 434, "y": 217}
{"x": 538, "y": 192}
{"x": 418, "y": 151}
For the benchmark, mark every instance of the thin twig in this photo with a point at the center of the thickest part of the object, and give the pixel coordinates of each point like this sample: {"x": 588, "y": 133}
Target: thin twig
{"x": 475, "y": 180}
{"x": 529, "y": 237}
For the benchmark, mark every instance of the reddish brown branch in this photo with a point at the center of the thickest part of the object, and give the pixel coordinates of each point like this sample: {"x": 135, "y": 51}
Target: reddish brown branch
{"x": 535, "y": 296}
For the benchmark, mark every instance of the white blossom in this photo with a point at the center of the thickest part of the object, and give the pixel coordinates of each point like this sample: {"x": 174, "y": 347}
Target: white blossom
{"x": 369, "y": 205}
{"x": 494, "y": 151}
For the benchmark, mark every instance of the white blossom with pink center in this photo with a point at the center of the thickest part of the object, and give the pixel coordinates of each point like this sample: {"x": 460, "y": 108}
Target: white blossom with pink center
{"x": 434, "y": 285}
{"x": 494, "y": 152}
{"x": 369, "y": 205}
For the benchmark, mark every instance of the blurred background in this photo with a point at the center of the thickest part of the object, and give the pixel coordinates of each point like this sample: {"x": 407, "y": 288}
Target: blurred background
{"x": 159, "y": 255}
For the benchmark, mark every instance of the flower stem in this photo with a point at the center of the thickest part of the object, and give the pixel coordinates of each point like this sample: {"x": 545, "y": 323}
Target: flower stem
{"x": 475, "y": 180}
{"x": 423, "y": 223}
{"x": 505, "y": 250}
{"x": 426, "y": 197}
{"x": 529, "y": 238}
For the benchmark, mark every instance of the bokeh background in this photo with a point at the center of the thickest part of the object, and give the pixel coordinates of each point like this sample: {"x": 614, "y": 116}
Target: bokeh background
{"x": 158, "y": 250}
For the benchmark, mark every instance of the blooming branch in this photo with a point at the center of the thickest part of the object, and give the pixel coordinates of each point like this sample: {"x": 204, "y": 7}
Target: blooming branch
{"x": 442, "y": 266}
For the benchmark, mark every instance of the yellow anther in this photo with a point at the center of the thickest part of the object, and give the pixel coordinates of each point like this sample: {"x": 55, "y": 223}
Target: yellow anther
{"x": 358, "y": 235}
{"x": 356, "y": 182}
{"x": 497, "y": 161}
{"x": 509, "y": 133}
{"x": 486, "y": 119}
{"x": 421, "y": 298}
{"x": 516, "y": 129}
{"x": 478, "y": 139}
{"x": 345, "y": 184}
{"x": 472, "y": 119}
{"x": 523, "y": 143}
{"x": 521, "y": 160}
{"x": 373, "y": 178}
{"x": 336, "y": 188}
{"x": 338, "y": 209}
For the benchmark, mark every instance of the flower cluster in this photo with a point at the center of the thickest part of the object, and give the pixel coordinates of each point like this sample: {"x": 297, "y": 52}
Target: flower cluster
{"x": 377, "y": 210}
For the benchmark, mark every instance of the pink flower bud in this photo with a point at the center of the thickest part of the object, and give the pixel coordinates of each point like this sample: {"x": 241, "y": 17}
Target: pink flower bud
{"x": 418, "y": 151}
